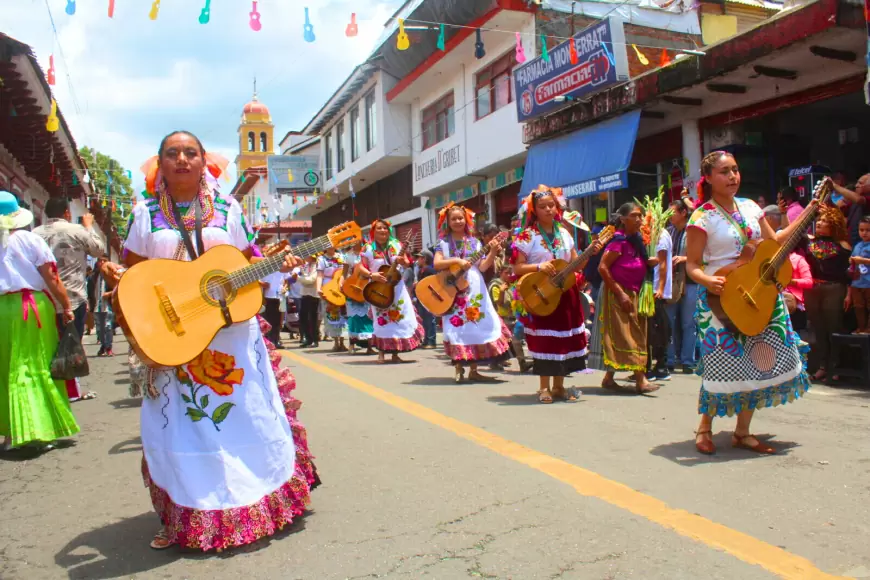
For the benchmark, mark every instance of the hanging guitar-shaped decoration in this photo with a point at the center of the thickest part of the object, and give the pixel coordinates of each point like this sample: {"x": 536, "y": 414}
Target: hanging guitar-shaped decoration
{"x": 440, "y": 43}
{"x": 640, "y": 56}
{"x": 352, "y": 29}
{"x": 205, "y": 15}
{"x": 254, "y": 22}
{"x": 155, "y": 10}
{"x": 308, "y": 29}
{"x": 572, "y": 51}
{"x": 402, "y": 40}
{"x": 479, "y": 51}
{"x": 70, "y": 7}
{"x": 545, "y": 55}
{"x": 520, "y": 52}
{"x": 52, "y": 123}
{"x": 51, "y": 73}
{"x": 111, "y": 8}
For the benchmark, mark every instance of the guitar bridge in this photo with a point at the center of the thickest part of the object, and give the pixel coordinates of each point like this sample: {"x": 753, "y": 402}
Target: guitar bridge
{"x": 169, "y": 310}
{"x": 541, "y": 295}
{"x": 747, "y": 297}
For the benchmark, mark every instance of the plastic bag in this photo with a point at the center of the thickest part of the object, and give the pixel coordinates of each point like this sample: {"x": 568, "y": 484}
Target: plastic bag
{"x": 70, "y": 361}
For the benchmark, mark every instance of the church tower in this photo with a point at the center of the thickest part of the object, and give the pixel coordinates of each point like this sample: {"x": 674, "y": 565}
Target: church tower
{"x": 256, "y": 135}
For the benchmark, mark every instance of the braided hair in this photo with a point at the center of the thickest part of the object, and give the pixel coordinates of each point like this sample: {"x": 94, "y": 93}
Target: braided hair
{"x": 705, "y": 190}
{"x": 636, "y": 240}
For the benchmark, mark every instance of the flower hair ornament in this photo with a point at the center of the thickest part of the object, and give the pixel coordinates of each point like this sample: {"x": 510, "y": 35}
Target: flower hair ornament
{"x": 215, "y": 166}
{"x": 444, "y": 225}
{"x": 372, "y": 231}
{"x": 528, "y": 217}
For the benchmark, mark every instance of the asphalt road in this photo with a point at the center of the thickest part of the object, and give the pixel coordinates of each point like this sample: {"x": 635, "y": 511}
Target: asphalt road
{"x": 426, "y": 478}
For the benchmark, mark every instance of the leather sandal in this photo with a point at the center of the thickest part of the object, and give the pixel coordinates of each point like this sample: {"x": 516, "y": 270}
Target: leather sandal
{"x": 459, "y": 373}
{"x": 161, "y": 540}
{"x": 563, "y": 394}
{"x": 739, "y": 442}
{"x": 705, "y": 446}
{"x": 545, "y": 397}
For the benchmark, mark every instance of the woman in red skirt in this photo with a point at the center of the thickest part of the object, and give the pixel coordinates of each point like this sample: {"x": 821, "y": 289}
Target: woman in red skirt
{"x": 556, "y": 342}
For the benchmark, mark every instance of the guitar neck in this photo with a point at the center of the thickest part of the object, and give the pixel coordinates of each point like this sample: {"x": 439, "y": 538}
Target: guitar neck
{"x": 574, "y": 264}
{"x": 252, "y": 273}
{"x": 795, "y": 237}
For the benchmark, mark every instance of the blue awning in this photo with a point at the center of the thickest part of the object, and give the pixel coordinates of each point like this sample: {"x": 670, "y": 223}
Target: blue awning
{"x": 585, "y": 162}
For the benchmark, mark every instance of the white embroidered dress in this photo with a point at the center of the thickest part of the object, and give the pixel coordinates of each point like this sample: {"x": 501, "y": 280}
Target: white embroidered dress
{"x": 473, "y": 330}
{"x": 217, "y": 436}
{"x": 397, "y": 328}
{"x": 334, "y": 322}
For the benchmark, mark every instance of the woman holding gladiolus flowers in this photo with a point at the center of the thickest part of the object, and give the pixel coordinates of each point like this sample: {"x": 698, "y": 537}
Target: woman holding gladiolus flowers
{"x": 473, "y": 331}
{"x": 556, "y": 342}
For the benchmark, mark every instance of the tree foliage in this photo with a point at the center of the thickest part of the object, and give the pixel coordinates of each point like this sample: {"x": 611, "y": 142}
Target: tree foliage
{"x": 111, "y": 183}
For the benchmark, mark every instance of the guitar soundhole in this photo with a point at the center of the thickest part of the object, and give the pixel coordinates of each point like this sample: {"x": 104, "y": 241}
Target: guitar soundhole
{"x": 768, "y": 274}
{"x": 215, "y": 286}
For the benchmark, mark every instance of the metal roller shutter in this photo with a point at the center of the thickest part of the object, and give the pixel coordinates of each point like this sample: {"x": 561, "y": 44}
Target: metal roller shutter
{"x": 415, "y": 227}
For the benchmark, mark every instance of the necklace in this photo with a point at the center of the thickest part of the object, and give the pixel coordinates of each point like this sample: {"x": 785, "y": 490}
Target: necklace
{"x": 189, "y": 217}
{"x": 460, "y": 251}
{"x": 551, "y": 244}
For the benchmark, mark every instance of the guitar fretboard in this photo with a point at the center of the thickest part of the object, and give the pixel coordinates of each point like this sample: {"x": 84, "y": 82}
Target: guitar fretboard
{"x": 258, "y": 271}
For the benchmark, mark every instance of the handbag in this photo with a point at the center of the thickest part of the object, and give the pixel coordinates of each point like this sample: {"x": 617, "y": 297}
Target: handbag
{"x": 678, "y": 284}
{"x": 70, "y": 361}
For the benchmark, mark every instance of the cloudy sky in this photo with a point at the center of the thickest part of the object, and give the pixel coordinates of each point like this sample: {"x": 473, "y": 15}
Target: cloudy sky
{"x": 125, "y": 82}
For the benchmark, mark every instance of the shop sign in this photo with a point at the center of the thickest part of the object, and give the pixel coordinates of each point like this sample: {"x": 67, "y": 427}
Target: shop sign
{"x": 610, "y": 182}
{"x": 442, "y": 159}
{"x": 493, "y": 183}
{"x": 290, "y": 173}
{"x": 601, "y": 63}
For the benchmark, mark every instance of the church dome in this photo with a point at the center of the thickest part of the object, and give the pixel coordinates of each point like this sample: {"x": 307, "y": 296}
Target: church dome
{"x": 256, "y": 107}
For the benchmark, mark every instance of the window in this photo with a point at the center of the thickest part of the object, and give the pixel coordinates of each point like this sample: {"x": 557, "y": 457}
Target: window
{"x": 264, "y": 142}
{"x": 328, "y": 154}
{"x": 339, "y": 144}
{"x": 493, "y": 85}
{"x": 437, "y": 121}
{"x": 371, "y": 122}
{"x": 251, "y": 141}
{"x": 354, "y": 134}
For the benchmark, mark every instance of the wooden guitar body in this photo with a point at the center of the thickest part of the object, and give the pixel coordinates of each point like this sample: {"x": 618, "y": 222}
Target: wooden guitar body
{"x": 332, "y": 290}
{"x": 381, "y": 294}
{"x": 749, "y": 298}
{"x": 353, "y": 286}
{"x": 438, "y": 292}
{"x": 539, "y": 292}
{"x": 166, "y": 310}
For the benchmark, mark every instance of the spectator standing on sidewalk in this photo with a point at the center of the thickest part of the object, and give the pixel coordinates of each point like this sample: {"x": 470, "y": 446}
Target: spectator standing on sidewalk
{"x": 71, "y": 244}
{"x": 423, "y": 269}
{"x": 272, "y": 294}
{"x": 103, "y": 315}
{"x": 308, "y": 326}
{"x": 681, "y": 308}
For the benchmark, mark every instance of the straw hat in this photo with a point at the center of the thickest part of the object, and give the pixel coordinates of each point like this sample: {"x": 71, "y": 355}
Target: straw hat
{"x": 12, "y": 216}
{"x": 575, "y": 219}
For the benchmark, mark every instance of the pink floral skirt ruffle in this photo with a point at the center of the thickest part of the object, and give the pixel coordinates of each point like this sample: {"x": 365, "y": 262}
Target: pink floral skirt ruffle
{"x": 396, "y": 345}
{"x": 494, "y": 351}
{"x": 221, "y": 529}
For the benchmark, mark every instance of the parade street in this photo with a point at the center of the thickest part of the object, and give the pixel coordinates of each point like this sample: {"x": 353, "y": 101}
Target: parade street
{"x": 426, "y": 478}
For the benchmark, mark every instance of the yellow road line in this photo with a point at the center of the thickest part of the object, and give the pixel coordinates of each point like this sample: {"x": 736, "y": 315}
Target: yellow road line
{"x": 742, "y": 546}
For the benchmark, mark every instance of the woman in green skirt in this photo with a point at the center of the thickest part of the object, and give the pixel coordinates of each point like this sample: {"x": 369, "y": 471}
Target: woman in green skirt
{"x": 33, "y": 406}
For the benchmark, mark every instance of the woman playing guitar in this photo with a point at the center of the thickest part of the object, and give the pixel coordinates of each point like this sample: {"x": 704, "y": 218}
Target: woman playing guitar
{"x": 473, "y": 331}
{"x": 224, "y": 404}
{"x": 334, "y": 321}
{"x": 397, "y": 328}
{"x": 739, "y": 373}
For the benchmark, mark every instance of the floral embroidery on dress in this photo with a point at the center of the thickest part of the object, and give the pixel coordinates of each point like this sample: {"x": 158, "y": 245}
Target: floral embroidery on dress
{"x": 524, "y": 236}
{"x": 467, "y": 310}
{"x": 391, "y": 315}
{"x": 333, "y": 313}
{"x": 218, "y": 372}
{"x": 823, "y": 249}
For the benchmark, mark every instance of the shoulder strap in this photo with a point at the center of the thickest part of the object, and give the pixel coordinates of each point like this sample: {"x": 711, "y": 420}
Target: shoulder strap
{"x": 730, "y": 219}
{"x": 179, "y": 224}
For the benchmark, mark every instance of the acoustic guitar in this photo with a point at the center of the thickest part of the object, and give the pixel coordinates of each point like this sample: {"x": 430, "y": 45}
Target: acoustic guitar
{"x": 381, "y": 294}
{"x": 332, "y": 290}
{"x": 754, "y": 282}
{"x": 171, "y": 310}
{"x": 354, "y": 284}
{"x": 541, "y": 292}
{"x": 437, "y": 293}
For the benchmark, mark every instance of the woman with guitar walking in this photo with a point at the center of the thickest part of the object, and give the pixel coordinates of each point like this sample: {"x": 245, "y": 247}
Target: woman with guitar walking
{"x": 397, "y": 328}
{"x": 334, "y": 322}
{"x": 557, "y": 342}
{"x": 473, "y": 331}
{"x": 359, "y": 315}
{"x": 739, "y": 373}
{"x": 225, "y": 461}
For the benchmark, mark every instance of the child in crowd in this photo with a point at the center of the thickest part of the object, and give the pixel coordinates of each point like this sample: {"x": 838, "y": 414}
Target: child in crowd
{"x": 859, "y": 264}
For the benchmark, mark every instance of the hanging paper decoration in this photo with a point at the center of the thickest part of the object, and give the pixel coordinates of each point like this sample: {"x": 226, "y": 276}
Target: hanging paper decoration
{"x": 155, "y": 10}
{"x": 294, "y": 199}
{"x": 87, "y": 177}
{"x": 52, "y": 123}
{"x": 572, "y": 51}
{"x": 114, "y": 206}
{"x": 350, "y": 185}
{"x": 111, "y": 8}
{"x": 545, "y": 55}
{"x": 51, "y": 73}
{"x": 290, "y": 176}
{"x": 440, "y": 43}
{"x": 129, "y": 174}
{"x": 295, "y": 211}
{"x": 640, "y": 56}
{"x": 352, "y": 29}
{"x": 70, "y": 7}
{"x": 479, "y": 51}
{"x": 305, "y": 198}
{"x": 205, "y": 15}
{"x": 664, "y": 59}
{"x": 75, "y": 180}
{"x": 308, "y": 29}
{"x": 254, "y": 22}
{"x": 402, "y": 40}
{"x": 521, "y": 52}
{"x": 104, "y": 202}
